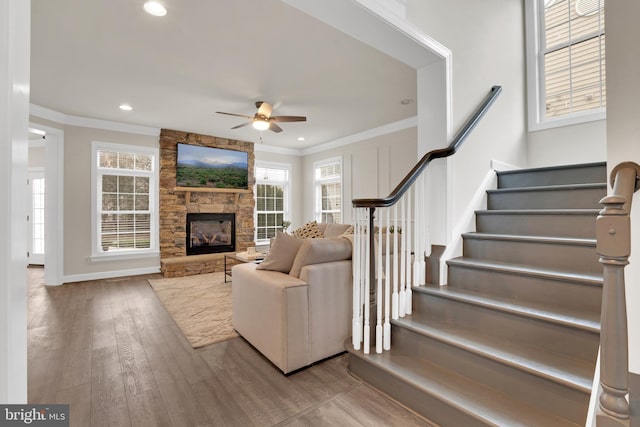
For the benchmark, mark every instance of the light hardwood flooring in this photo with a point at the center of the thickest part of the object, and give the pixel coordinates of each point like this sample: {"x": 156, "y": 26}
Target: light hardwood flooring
{"x": 110, "y": 350}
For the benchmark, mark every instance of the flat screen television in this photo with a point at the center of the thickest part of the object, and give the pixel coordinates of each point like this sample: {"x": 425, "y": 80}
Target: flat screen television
{"x": 210, "y": 167}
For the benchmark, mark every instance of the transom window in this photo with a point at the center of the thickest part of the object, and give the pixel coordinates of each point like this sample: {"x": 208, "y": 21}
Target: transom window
{"x": 272, "y": 199}
{"x": 125, "y": 206}
{"x": 328, "y": 185}
{"x": 567, "y": 76}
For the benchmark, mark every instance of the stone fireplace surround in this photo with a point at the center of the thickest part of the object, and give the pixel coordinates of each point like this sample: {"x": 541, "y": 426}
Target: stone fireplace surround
{"x": 176, "y": 203}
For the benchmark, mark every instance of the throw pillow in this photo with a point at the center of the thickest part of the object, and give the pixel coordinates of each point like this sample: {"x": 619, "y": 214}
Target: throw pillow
{"x": 335, "y": 230}
{"x": 308, "y": 231}
{"x": 317, "y": 251}
{"x": 282, "y": 253}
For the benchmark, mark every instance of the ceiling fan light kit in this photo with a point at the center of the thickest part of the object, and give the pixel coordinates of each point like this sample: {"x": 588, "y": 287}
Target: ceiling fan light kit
{"x": 263, "y": 119}
{"x": 260, "y": 124}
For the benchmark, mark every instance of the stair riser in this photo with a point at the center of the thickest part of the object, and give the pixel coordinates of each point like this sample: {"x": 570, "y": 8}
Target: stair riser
{"x": 574, "y": 296}
{"x": 540, "y": 392}
{"x": 559, "y": 256}
{"x": 572, "y": 175}
{"x": 526, "y": 331}
{"x": 584, "y": 198}
{"x": 580, "y": 226}
{"x": 418, "y": 399}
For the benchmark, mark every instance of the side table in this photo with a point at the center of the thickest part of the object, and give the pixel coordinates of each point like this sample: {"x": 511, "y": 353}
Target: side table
{"x": 238, "y": 258}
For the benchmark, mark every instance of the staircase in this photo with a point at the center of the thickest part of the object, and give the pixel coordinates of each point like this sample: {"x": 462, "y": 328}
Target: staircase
{"x": 512, "y": 339}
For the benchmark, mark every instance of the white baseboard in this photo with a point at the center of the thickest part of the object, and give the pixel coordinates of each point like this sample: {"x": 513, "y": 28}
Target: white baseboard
{"x": 109, "y": 274}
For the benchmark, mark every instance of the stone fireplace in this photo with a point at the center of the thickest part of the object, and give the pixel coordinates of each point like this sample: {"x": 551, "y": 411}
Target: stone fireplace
{"x": 178, "y": 203}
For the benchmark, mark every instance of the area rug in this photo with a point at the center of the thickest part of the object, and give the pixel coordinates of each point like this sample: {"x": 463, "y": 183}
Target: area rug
{"x": 200, "y": 305}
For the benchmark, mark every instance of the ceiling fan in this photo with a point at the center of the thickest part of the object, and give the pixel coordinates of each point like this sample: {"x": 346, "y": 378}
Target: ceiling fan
{"x": 263, "y": 119}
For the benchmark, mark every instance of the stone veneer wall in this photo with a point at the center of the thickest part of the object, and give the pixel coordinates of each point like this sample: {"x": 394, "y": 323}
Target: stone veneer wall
{"x": 174, "y": 206}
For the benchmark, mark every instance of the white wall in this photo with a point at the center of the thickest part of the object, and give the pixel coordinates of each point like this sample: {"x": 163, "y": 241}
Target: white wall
{"x": 370, "y": 168}
{"x": 623, "y": 135}
{"x": 486, "y": 39}
{"x": 14, "y": 116}
{"x": 77, "y": 203}
{"x": 581, "y": 143}
{"x": 296, "y": 184}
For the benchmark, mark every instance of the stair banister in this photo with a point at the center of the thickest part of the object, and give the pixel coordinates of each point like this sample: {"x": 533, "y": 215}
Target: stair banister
{"x": 613, "y": 233}
{"x": 410, "y": 250}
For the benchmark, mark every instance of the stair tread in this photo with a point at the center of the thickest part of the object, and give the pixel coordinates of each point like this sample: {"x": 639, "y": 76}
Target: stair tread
{"x": 578, "y": 241}
{"x": 553, "y": 168}
{"x": 588, "y": 279}
{"x": 586, "y": 212}
{"x": 466, "y": 395}
{"x": 555, "y": 187}
{"x": 570, "y": 318}
{"x": 562, "y": 369}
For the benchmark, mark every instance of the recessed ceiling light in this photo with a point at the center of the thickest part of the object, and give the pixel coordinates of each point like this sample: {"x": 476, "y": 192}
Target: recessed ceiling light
{"x": 301, "y": 138}
{"x": 126, "y": 107}
{"x": 154, "y": 8}
{"x": 37, "y": 131}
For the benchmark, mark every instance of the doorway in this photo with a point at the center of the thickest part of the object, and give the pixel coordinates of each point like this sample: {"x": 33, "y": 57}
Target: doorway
{"x": 36, "y": 218}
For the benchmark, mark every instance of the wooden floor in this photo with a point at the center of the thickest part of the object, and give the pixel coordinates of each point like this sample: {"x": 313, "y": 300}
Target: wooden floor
{"x": 110, "y": 350}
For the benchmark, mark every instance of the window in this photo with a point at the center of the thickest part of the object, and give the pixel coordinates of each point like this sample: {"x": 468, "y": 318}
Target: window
{"x": 566, "y": 67}
{"x": 328, "y": 183}
{"x": 125, "y": 210}
{"x": 272, "y": 199}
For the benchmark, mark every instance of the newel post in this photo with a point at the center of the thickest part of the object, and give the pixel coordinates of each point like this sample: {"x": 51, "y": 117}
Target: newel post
{"x": 613, "y": 233}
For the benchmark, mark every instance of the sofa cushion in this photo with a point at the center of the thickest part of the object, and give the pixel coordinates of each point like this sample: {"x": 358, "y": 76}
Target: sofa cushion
{"x": 309, "y": 230}
{"x": 317, "y": 251}
{"x": 335, "y": 230}
{"x": 282, "y": 253}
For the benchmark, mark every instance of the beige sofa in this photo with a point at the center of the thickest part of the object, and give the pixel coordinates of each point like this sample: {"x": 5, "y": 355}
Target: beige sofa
{"x": 300, "y": 312}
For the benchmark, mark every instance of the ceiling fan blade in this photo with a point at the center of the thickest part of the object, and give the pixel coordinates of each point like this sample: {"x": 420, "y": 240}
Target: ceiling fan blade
{"x": 265, "y": 109}
{"x": 289, "y": 118}
{"x": 274, "y": 127}
{"x": 235, "y": 115}
{"x": 242, "y": 125}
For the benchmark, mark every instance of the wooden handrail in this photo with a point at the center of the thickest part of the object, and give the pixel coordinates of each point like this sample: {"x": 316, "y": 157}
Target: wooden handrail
{"x": 410, "y": 178}
{"x": 613, "y": 234}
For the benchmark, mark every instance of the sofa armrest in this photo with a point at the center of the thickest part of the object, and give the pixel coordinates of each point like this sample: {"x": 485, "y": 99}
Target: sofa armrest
{"x": 270, "y": 310}
{"x": 330, "y": 306}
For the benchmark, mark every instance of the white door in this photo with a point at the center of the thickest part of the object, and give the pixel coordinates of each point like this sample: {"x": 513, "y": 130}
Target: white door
{"x": 36, "y": 218}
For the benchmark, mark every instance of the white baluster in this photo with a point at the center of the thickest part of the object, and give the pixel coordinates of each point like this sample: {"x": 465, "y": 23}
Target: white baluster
{"x": 409, "y": 235}
{"x": 367, "y": 285}
{"x": 419, "y": 244}
{"x": 387, "y": 284}
{"x": 379, "y": 294}
{"x": 394, "y": 297}
{"x": 356, "y": 327}
{"x": 403, "y": 258}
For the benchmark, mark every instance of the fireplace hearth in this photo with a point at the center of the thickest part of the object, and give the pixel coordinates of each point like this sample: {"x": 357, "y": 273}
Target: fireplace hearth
{"x": 210, "y": 233}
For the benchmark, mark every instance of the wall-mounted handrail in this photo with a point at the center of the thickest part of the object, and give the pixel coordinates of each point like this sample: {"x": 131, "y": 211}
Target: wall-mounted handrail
{"x": 613, "y": 234}
{"x": 453, "y": 147}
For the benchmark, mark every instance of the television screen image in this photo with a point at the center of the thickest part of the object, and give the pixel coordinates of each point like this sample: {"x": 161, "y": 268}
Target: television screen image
{"x": 209, "y": 167}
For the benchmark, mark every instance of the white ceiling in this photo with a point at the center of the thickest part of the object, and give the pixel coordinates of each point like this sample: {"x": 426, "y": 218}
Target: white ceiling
{"x": 88, "y": 57}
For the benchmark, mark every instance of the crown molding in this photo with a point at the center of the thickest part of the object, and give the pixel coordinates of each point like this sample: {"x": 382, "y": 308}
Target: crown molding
{"x": 66, "y": 119}
{"x": 362, "y": 136}
{"x": 70, "y": 120}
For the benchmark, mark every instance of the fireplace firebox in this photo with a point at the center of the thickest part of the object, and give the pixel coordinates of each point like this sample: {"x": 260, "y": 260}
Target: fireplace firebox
{"x": 211, "y": 233}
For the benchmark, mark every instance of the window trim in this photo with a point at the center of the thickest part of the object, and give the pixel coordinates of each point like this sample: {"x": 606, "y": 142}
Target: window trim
{"x": 317, "y": 202}
{"x": 287, "y": 193}
{"x": 535, "y": 85}
{"x": 154, "y": 204}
